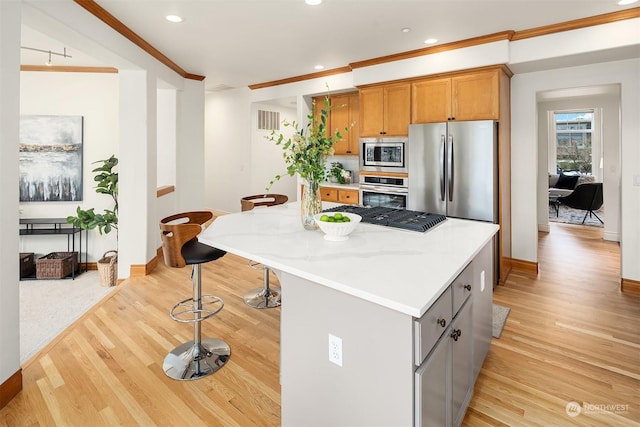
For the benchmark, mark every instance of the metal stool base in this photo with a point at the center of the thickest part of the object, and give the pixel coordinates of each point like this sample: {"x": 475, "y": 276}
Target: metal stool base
{"x": 263, "y": 298}
{"x": 183, "y": 364}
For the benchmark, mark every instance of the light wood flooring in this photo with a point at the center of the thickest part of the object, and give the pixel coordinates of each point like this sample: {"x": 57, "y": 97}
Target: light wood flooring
{"x": 571, "y": 336}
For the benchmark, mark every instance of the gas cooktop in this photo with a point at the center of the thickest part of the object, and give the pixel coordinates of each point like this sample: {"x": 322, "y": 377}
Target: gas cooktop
{"x": 392, "y": 217}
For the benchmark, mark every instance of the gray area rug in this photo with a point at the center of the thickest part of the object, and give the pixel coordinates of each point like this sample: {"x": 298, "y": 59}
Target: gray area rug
{"x": 569, "y": 215}
{"x": 48, "y": 307}
{"x": 500, "y": 314}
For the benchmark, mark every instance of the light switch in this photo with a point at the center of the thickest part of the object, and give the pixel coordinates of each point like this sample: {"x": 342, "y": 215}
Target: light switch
{"x": 636, "y": 180}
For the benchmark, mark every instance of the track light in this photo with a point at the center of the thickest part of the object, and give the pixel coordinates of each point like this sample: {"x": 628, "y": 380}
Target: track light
{"x": 49, "y": 62}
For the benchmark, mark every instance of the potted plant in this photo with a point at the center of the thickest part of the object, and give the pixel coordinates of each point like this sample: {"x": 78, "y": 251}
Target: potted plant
{"x": 338, "y": 174}
{"x": 107, "y": 183}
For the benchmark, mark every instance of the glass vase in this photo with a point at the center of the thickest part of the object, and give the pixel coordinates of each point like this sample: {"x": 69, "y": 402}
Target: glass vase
{"x": 310, "y": 204}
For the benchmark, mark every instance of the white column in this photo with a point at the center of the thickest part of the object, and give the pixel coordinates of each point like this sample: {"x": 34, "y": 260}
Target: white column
{"x": 190, "y": 150}
{"x": 10, "y": 18}
{"x": 136, "y": 170}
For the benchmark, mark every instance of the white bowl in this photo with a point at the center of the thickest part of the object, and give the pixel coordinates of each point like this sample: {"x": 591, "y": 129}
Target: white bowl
{"x": 337, "y": 231}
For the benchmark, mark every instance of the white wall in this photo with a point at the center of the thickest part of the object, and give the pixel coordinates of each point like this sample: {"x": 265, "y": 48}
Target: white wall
{"x": 9, "y": 134}
{"x": 90, "y": 95}
{"x": 608, "y": 108}
{"x": 266, "y": 157}
{"x": 524, "y": 151}
{"x": 166, "y": 137}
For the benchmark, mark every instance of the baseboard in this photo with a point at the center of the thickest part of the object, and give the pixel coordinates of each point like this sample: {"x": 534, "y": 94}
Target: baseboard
{"x": 138, "y": 270}
{"x": 630, "y": 286}
{"x": 528, "y": 267}
{"x": 11, "y": 387}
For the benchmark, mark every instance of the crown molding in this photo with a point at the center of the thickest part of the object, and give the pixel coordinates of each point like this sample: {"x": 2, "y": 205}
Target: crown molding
{"x": 324, "y": 73}
{"x": 92, "y": 7}
{"x": 606, "y": 18}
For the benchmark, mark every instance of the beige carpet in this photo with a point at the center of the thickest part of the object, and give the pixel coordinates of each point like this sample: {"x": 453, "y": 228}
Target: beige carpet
{"x": 48, "y": 307}
{"x": 568, "y": 215}
{"x": 500, "y": 314}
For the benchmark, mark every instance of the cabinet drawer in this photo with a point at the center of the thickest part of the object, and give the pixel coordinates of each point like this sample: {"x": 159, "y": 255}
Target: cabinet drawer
{"x": 348, "y": 197}
{"x": 461, "y": 288}
{"x": 329, "y": 194}
{"x": 430, "y": 327}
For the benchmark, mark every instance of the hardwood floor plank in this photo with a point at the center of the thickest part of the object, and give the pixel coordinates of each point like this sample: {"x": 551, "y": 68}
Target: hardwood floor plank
{"x": 571, "y": 336}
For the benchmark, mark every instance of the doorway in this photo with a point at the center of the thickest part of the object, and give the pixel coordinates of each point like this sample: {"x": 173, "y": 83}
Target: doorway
{"x": 604, "y": 157}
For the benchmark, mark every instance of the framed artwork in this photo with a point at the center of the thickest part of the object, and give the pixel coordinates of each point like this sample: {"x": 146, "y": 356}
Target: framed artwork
{"x": 50, "y": 158}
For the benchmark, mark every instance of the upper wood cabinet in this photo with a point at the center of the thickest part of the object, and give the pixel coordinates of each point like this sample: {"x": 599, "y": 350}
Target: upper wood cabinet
{"x": 385, "y": 110}
{"x": 344, "y": 119}
{"x": 343, "y": 115}
{"x": 472, "y": 96}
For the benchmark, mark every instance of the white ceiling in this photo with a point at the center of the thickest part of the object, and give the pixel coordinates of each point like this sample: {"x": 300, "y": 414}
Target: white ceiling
{"x": 235, "y": 43}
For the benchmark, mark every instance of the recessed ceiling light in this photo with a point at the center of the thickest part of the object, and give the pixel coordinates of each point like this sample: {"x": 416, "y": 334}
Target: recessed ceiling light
{"x": 430, "y": 41}
{"x": 313, "y": 2}
{"x": 319, "y": 67}
{"x": 406, "y": 30}
{"x": 173, "y": 18}
{"x": 626, "y": 2}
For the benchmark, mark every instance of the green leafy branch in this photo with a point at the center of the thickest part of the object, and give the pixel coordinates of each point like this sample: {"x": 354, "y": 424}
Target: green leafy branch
{"x": 107, "y": 183}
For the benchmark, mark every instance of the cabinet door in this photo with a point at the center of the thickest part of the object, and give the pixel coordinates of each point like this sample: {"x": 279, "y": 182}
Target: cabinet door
{"x": 461, "y": 362}
{"x": 354, "y": 126}
{"x": 431, "y": 101}
{"x": 397, "y": 109}
{"x": 371, "y": 111}
{"x": 431, "y": 388}
{"x": 319, "y": 106}
{"x": 344, "y": 117}
{"x": 349, "y": 197}
{"x": 476, "y": 96}
{"x": 328, "y": 194}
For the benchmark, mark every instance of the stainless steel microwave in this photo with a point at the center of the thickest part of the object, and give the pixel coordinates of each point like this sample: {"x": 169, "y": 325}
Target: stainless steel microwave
{"x": 383, "y": 154}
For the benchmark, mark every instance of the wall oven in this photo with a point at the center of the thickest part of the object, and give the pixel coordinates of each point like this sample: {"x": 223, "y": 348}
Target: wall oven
{"x": 385, "y": 191}
{"x": 383, "y": 154}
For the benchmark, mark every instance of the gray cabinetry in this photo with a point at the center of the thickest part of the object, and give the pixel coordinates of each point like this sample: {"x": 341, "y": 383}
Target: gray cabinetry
{"x": 461, "y": 337}
{"x": 482, "y": 294}
{"x": 445, "y": 376}
{"x": 432, "y": 387}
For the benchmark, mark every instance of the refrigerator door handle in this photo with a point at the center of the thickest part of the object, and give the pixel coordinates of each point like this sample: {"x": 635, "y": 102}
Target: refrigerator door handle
{"x": 450, "y": 171}
{"x": 442, "y": 168}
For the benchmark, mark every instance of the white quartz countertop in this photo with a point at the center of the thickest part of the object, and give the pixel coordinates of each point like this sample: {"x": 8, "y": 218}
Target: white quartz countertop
{"x": 402, "y": 270}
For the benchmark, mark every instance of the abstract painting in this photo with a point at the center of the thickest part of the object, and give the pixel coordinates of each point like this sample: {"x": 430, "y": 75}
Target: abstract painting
{"x": 50, "y": 158}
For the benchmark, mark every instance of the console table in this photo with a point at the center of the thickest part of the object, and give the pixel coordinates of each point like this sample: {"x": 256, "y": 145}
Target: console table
{"x": 58, "y": 227}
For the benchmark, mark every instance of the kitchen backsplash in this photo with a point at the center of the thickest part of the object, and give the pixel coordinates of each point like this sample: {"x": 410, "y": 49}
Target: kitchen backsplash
{"x": 350, "y": 163}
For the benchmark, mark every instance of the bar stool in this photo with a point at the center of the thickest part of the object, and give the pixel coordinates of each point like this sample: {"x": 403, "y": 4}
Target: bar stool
{"x": 201, "y": 356}
{"x": 266, "y": 296}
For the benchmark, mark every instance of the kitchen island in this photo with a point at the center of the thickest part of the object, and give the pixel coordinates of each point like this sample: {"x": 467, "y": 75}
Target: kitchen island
{"x": 374, "y": 292}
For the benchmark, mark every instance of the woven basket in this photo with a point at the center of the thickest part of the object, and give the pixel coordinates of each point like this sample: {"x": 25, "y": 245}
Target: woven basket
{"x": 108, "y": 268}
{"x": 27, "y": 264}
{"x": 56, "y": 265}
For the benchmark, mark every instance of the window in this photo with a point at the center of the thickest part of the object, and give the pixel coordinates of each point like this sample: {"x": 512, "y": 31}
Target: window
{"x": 572, "y": 134}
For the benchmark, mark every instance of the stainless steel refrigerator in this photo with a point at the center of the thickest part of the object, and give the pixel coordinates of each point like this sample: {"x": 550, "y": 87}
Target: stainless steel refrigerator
{"x": 453, "y": 169}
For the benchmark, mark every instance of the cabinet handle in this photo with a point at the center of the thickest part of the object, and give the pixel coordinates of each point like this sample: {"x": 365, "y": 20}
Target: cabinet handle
{"x": 467, "y": 287}
{"x": 442, "y": 322}
{"x": 455, "y": 334}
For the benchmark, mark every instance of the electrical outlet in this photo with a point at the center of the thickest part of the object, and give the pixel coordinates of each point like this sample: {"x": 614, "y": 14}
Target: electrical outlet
{"x": 335, "y": 350}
